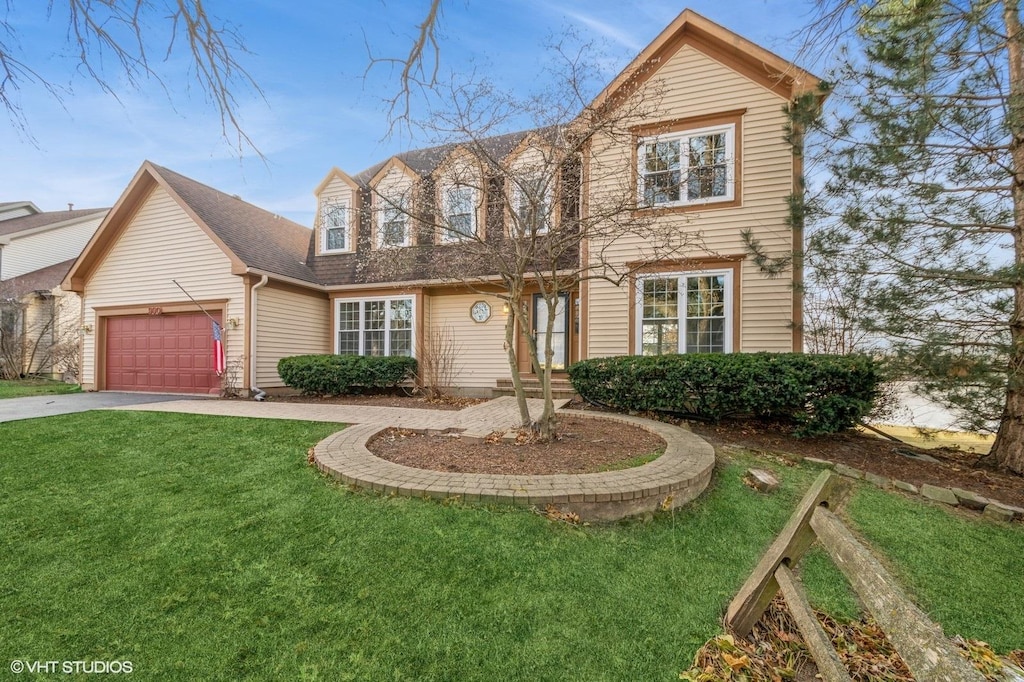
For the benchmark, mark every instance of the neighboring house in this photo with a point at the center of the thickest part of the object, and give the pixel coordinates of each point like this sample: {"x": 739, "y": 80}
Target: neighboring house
{"x": 38, "y": 320}
{"x": 31, "y": 239}
{"x": 39, "y": 325}
{"x": 711, "y": 160}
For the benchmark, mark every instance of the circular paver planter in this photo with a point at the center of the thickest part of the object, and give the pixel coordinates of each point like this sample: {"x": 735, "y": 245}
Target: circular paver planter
{"x": 678, "y": 476}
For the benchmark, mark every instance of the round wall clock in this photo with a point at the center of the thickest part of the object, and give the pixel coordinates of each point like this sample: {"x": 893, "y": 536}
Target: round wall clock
{"x": 481, "y": 311}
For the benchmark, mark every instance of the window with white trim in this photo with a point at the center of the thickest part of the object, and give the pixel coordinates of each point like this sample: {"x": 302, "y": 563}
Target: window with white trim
{"x": 376, "y": 326}
{"x": 532, "y": 201}
{"x": 459, "y": 204}
{"x": 335, "y": 234}
{"x": 689, "y": 167}
{"x": 689, "y": 312}
{"x": 392, "y": 222}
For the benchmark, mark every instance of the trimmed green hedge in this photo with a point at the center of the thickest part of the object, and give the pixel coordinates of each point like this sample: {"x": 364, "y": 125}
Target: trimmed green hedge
{"x": 341, "y": 374}
{"x": 820, "y": 393}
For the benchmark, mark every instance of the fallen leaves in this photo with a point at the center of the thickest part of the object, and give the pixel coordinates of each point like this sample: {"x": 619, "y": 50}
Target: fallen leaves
{"x": 775, "y": 652}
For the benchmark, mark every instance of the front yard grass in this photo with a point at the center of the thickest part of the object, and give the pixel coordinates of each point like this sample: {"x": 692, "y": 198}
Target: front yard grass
{"x": 26, "y": 387}
{"x": 206, "y": 548}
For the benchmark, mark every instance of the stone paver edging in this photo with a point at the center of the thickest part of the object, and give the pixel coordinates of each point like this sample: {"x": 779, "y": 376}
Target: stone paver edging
{"x": 677, "y": 477}
{"x": 954, "y": 497}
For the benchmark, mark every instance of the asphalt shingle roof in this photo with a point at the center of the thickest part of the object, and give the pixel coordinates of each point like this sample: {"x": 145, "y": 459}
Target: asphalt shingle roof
{"x": 42, "y": 279}
{"x": 29, "y": 222}
{"x": 261, "y": 239}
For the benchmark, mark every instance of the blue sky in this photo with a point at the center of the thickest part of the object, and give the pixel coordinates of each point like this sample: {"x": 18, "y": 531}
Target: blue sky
{"x": 319, "y": 111}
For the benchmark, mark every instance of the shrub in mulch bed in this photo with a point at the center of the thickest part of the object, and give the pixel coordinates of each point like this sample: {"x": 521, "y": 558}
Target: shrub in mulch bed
{"x": 819, "y": 393}
{"x": 344, "y": 374}
{"x": 775, "y": 651}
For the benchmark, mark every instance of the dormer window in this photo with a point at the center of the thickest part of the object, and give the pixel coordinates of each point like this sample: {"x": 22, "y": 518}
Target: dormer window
{"x": 335, "y": 233}
{"x": 392, "y": 222}
{"x": 688, "y": 167}
{"x": 459, "y": 203}
{"x": 532, "y": 201}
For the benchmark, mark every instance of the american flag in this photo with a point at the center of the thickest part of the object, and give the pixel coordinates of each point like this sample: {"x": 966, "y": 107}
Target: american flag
{"x": 219, "y": 361}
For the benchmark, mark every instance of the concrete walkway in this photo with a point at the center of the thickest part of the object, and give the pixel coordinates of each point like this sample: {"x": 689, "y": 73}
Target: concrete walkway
{"x": 494, "y": 415}
{"x": 31, "y": 407}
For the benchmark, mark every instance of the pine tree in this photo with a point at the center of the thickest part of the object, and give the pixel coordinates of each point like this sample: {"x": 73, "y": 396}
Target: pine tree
{"x": 923, "y": 209}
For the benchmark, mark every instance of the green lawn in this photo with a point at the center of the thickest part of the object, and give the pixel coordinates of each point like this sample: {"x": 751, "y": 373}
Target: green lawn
{"x": 206, "y": 548}
{"x": 26, "y": 387}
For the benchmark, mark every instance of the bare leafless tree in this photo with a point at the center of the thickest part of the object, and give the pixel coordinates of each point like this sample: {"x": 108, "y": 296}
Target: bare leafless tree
{"x": 438, "y": 361}
{"x": 138, "y": 37}
{"x": 418, "y": 70}
{"x": 537, "y": 236}
{"x": 38, "y": 336}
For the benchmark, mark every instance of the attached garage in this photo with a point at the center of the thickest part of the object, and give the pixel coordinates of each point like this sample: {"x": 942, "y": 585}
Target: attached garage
{"x": 160, "y": 353}
{"x": 172, "y": 247}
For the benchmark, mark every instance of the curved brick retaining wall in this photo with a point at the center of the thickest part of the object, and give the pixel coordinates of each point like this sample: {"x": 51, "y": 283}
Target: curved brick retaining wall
{"x": 677, "y": 477}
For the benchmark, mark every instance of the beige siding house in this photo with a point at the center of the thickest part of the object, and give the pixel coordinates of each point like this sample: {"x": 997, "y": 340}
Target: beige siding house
{"x": 39, "y": 321}
{"x": 707, "y": 163}
{"x": 172, "y": 258}
{"x": 31, "y": 239}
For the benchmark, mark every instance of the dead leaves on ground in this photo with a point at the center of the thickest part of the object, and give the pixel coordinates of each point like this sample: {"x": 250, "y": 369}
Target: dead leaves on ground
{"x": 775, "y": 652}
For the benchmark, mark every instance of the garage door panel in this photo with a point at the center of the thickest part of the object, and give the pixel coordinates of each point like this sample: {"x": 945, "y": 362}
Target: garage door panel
{"x": 171, "y": 353}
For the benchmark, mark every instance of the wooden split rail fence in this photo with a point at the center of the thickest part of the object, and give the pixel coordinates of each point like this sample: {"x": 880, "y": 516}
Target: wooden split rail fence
{"x": 929, "y": 655}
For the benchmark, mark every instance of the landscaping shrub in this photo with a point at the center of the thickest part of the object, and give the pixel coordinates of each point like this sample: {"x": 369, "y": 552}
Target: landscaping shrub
{"x": 341, "y": 374}
{"x": 820, "y": 393}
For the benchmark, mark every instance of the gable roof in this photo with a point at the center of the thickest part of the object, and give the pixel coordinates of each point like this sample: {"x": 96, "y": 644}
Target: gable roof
{"x": 335, "y": 173}
{"x": 260, "y": 239}
{"x": 43, "y": 279}
{"x": 45, "y": 219}
{"x": 747, "y": 58}
{"x": 254, "y": 239}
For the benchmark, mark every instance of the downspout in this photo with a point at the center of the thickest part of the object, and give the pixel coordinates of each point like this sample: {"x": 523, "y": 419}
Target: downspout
{"x": 257, "y": 392}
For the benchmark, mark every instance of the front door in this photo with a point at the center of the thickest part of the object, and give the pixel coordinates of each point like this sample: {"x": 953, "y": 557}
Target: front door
{"x": 559, "y": 334}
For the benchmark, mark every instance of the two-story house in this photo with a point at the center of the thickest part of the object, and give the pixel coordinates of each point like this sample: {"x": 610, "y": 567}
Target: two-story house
{"x": 38, "y": 320}
{"x": 389, "y": 258}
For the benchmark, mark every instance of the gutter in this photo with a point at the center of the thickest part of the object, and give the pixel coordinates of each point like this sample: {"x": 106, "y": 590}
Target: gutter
{"x": 258, "y": 393}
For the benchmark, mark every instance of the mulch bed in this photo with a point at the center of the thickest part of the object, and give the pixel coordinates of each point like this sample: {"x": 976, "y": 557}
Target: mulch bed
{"x": 383, "y": 400}
{"x": 956, "y": 468}
{"x": 583, "y": 446}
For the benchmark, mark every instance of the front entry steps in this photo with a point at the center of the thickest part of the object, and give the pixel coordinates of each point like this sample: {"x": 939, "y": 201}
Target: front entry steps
{"x": 560, "y": 388}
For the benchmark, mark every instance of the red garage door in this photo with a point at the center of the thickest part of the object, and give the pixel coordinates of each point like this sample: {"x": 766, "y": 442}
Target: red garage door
{"x": 163, "y": 353}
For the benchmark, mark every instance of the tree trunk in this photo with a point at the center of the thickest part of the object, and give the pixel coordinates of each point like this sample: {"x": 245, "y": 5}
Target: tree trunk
{"x": 547, "y": 417}
{"x": 1008, "y": 448}
{"x": 513, "y": 360}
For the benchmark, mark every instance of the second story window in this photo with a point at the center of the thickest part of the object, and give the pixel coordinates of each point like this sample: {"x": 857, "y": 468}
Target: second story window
{"x": 392, "y": 222}
{"x": 532, "y": 200}
{"x": 459, "y": 204}
{"x": 690, "y": 167}
{"x": 334, "y": 226}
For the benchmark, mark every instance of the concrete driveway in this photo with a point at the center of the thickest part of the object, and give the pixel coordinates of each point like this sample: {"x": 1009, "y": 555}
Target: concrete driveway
{"x": 13, "y": 409}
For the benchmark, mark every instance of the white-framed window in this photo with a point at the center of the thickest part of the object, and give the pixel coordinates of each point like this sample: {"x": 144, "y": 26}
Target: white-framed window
{"x": 335, "y": 226}
{"x": 686, "y": 312}
{"x": 532, "y": 201}
{"x": 459, "y": 210}
{"x": 375, "y": 326}
{"x": 689, "y": 167}
{"x": 392, "y": 222}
